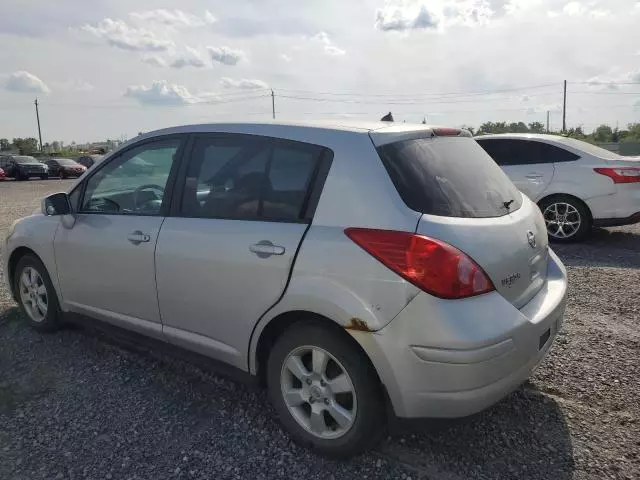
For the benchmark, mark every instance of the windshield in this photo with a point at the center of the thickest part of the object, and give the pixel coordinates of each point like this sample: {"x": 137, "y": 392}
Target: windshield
{"x": 449, "y": 177}
{"x": 589, "y": 148}
{"x": 24, "y": 159}
{"x": 66, "y": 161}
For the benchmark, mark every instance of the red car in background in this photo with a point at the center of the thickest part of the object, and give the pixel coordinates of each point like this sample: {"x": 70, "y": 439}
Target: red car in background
{"x": 3, "y": 175}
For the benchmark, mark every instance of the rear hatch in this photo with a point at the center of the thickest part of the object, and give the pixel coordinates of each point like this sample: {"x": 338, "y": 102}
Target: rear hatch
{"x": 468, "y": 202}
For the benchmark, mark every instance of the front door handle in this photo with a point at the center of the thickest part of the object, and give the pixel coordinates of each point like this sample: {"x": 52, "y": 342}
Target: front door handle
{"x": 138, "y": 237}
{"x": 264, "y": 249}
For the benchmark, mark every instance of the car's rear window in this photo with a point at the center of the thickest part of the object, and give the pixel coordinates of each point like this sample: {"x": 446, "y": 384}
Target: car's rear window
{"x": 450, "y": 177}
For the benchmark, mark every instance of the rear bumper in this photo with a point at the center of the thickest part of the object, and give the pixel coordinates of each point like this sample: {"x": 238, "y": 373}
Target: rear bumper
{"x": 453, "y": 358}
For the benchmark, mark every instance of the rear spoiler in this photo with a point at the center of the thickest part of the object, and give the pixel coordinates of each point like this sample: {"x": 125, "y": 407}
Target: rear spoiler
{"x": 385, "y": 136}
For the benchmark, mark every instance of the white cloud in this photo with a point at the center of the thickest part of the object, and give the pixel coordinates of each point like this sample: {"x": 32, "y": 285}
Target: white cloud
{"x": 407, "y": 15}
{"x": 118, "y": 33}
{"x": 22, "y": 81}
{"x": 401, "y": 16}
{"x": 577, "y": 9}
{"x": 174, "y": 18}
{"x": 322, "y": 37}
{"x": 190, "y": 58}
{"x": 243, "y": 83}
{"x": 155, "y": 60}
{"x": 161, "y": 92}
{"x": 614, "y": 80}
{"x": 75, "y": 85}
{"x": 329, "y": 47}
{"x": 226, "y": 55}
{"x": 286, "y": 58}
{"x": 334, "y": 51}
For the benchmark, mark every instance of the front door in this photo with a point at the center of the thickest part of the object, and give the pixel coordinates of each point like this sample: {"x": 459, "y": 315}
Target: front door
{"x": 224, "y": 258}
{"x": 106, "y": 259}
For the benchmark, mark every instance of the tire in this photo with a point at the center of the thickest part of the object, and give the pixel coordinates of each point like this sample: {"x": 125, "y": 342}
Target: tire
{"x": 62, "y": 176}
{"x": 365, "y": 404}
{"x": 52, "y": 319}
{"x": 569, "y": 210}
{"x": 44, "y": 177}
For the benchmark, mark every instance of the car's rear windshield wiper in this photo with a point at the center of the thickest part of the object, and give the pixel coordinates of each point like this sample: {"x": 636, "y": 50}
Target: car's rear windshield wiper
{"x": 507, "y": 205}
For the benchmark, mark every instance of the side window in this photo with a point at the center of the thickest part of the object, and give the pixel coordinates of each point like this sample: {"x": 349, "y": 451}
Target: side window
{"x": 133, "y": 183}
{"x": 498, "y": 150}
{"x": 289, "y": 178}
{"x": 554, "y": 154}
{"x": 523, "y": 152}
{"x": 242, "y": 177}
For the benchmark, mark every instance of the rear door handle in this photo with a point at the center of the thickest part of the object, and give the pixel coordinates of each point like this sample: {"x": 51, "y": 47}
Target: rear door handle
{"x": 264, "y": 249}
{"x": 138, "y": 237}
{"x": 534, "y": 176}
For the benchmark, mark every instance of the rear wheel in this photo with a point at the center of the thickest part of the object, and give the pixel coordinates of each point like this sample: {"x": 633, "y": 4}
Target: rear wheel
{"x": 567, "y": 218}
{"x": 324, "y": 390}
{"x": 36, "y": 295}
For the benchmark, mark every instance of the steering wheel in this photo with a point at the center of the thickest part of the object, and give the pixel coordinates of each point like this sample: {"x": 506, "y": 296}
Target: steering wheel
{"x": 141, "y": 188}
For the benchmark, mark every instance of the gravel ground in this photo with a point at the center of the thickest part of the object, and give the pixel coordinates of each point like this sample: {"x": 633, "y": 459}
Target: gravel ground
{"x": 81, "y": 404}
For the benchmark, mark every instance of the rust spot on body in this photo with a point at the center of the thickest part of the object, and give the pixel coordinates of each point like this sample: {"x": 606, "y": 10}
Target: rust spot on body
{"x": 358, "y": 324}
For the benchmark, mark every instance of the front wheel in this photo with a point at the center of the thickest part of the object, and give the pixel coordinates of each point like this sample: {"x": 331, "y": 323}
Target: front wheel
{"x": 567, "y": 218}
{"x": 36, "y": 295}
{"x": 324, "y": 390}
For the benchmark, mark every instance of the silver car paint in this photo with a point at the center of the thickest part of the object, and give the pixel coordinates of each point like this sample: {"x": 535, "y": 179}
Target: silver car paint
{"x": 212, "y": 288}
{"x": 103, "y": 274}
{"x": 332, "y": 277}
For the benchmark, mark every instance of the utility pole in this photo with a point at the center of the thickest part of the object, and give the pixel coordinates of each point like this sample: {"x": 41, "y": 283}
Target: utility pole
{"x": 38, "y": 119}
{"x": 564, "y": 109}
{"x": 547, "y": 121}
{"x": 273, "y": 104}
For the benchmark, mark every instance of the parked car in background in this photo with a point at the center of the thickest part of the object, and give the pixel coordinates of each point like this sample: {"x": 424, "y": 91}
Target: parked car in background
{"x": 350, "y": 268}
{"x": 3, "y": 175}
{"x": 89, "y": 161}
{"x": 64, "y": 168}
{"x": 577, "y": 185}
{"x": 23, "y": 167}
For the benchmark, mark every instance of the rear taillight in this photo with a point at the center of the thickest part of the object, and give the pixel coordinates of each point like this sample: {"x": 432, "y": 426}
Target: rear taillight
{"x": 621, "y": 174}
{"x": 431, "y": 265}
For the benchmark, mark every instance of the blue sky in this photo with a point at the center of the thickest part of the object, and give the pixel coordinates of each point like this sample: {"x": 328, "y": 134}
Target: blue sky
{"x": 107, "y": 69}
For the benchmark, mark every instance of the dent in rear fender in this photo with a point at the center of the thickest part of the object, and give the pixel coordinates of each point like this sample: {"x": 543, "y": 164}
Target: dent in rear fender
{"x": 328, "y": 298}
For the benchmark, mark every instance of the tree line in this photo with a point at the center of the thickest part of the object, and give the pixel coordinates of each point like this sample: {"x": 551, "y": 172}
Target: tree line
{"x": 601, "y": 134}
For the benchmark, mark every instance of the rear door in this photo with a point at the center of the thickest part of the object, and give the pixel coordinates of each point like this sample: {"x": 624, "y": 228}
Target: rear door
{"x": 223, "y": 258}
{"x": 468, "y": 202}
{"x": 528, "y": 163}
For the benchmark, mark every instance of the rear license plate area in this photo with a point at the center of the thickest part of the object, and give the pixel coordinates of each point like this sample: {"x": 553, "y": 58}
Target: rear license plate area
{"x": 544, "y": 338}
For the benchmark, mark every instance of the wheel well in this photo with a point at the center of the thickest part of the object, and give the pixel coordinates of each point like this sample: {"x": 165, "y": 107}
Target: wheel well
{"x": 578, "y": 200}
{"x": 15, "y": 257}
{"x": 282, "y": 322}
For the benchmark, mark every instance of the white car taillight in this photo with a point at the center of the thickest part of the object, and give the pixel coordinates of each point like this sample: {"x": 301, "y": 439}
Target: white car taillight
{"x": 621, "y": 174}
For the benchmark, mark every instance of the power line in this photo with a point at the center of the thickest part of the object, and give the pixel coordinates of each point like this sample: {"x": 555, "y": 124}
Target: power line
{"x": 421, "y": 94}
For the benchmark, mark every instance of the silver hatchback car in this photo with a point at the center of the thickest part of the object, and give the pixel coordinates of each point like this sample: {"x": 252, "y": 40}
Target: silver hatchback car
{"x": 358, "y": 271}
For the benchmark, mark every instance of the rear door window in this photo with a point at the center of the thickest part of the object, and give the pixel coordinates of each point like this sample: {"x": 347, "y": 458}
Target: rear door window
{"x": 244, "y": 177}
{"x": 451, "y": 177}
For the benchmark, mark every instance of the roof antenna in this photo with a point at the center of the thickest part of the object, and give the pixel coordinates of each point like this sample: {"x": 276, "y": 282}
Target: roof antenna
{"x": 387, "y": 118}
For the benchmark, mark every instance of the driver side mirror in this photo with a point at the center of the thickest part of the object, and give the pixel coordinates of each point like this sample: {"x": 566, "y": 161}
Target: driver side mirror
{"x": 56, "y": 204}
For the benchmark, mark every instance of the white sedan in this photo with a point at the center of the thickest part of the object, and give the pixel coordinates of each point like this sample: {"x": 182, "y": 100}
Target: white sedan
{"x": 577, "y": 185}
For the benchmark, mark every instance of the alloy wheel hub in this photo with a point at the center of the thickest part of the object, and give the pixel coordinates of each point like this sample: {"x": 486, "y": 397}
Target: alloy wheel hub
{"x": 318, "y": 392}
